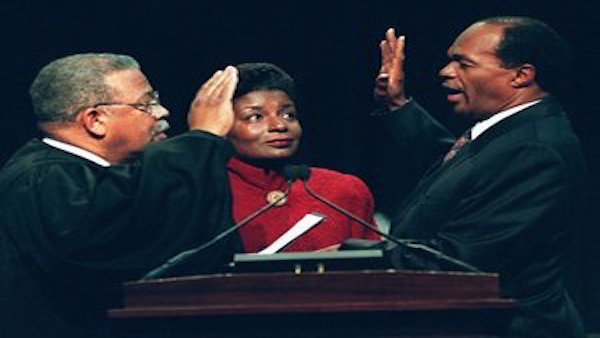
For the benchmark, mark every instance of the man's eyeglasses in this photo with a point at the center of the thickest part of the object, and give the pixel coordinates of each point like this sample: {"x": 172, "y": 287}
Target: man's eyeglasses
{"x": 152, "y": 107}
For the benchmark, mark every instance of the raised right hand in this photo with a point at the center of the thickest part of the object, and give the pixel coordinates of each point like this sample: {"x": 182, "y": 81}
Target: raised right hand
{"x": 212, "y": 108}
{"x": 389, "y": 84}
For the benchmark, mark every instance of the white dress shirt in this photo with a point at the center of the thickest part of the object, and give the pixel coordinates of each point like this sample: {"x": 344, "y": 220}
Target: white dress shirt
{"x": 484, "y": 125}
{"x": 69, "y": 148}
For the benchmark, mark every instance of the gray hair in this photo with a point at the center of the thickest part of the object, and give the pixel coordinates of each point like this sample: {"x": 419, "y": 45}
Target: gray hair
{"x": 67, "y": 85}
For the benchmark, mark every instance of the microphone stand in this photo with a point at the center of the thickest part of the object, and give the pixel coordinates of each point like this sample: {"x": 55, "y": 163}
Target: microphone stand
{"x": 400, "y": 242}
{"x": 182, "y": 256}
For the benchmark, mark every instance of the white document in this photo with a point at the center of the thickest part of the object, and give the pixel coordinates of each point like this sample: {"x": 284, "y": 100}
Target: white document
{"x": 302, "y": 226}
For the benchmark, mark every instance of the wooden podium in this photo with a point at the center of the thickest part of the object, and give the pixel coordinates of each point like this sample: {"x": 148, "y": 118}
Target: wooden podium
{"x": 367, "y": 303}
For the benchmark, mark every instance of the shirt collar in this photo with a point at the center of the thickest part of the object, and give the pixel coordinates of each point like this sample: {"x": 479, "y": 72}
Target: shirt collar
{"x": 484, "y": 125}
{"x": 76, "y": 151}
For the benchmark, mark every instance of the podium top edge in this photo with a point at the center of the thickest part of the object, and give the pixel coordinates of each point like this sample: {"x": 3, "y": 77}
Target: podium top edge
{"x": 373, "y": 273}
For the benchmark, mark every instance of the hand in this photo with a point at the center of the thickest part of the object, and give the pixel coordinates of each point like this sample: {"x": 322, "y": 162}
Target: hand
{"x": 212, "y": 108}
{"x": 389, "y": 84}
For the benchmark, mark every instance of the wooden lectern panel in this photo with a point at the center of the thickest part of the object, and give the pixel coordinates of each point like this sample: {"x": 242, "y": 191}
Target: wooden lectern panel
{"x": 344, "y": 303}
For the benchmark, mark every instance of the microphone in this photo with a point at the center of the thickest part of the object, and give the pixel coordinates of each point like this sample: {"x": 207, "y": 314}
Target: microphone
{"x": 303, "y": 172}
{"x": 291, "y": 174}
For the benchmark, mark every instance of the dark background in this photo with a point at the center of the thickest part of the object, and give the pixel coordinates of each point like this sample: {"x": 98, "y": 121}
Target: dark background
{"x": 330, "y": 47}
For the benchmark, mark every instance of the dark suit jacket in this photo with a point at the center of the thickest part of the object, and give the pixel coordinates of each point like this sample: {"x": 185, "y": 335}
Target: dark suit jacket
{"x": 507, "y": 204}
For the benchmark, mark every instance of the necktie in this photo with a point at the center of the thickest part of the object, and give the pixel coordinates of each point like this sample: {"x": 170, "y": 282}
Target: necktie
{"x": 458, "y": 144}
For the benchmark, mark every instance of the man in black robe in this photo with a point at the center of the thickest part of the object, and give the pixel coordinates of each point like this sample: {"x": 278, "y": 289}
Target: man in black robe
{"x": 97, "y": 202}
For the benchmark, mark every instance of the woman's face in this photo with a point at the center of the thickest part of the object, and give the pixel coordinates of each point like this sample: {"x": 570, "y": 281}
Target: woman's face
{"x": 266, "y": 125}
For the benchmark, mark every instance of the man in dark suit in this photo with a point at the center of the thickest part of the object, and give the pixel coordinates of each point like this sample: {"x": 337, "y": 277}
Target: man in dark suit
{"x": 504, "y": 198}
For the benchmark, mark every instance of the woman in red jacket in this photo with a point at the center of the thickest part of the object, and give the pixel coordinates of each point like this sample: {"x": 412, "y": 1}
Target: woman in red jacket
{"x": 266, "y": 133}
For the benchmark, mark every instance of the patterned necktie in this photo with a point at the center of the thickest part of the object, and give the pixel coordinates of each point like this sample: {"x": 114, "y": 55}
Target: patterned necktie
{"x": 459, "y": 143}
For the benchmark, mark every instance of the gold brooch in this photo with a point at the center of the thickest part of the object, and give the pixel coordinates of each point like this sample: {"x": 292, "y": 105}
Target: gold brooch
{"x": 275, "y": 195}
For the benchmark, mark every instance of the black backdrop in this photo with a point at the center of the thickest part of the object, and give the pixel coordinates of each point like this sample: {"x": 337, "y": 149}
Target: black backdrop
{"x": 330, "y": 47}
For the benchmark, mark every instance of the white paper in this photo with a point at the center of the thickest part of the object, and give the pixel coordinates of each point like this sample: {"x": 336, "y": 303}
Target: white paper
{"x": 302, "y": 226}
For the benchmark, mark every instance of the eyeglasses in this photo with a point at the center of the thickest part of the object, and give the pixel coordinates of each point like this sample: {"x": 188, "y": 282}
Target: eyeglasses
{"x": 152, "y": 107}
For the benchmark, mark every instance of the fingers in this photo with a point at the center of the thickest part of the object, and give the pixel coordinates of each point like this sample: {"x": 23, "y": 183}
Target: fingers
{"x": 381, "y": 84}
{"x": 389, "y": 84}
{"x": 227, "y": 86}
{"x": 396, "y": 65}
{"x": 211, "y": 84}
{"x": 390, "y": 37}
{"x": 212, "y": 108}
{"x": 385, "y": 56}
{"x": 386, "y": 48}
{"x": 388, "y": 52}
{"x": 221, "y": 84}
{"x": 382, "y": 79}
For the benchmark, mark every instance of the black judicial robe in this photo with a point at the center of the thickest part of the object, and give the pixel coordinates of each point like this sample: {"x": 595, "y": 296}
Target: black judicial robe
{"x": 72, "y": 231}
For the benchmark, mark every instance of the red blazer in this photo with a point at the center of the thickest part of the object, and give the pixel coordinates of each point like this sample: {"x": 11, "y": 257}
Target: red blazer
{"x": 250, "y": 186}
